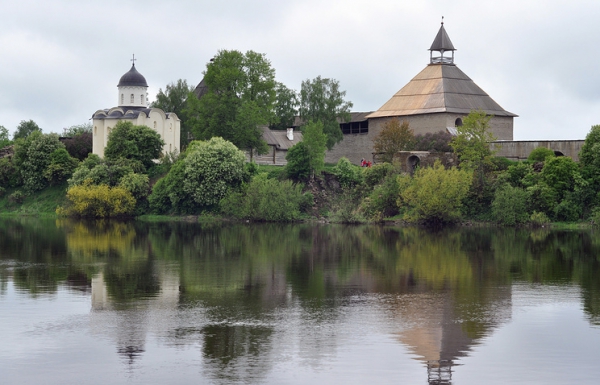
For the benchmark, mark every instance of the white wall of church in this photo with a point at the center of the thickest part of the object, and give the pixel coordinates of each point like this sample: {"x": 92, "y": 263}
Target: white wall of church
{"x": 132, "y": 96}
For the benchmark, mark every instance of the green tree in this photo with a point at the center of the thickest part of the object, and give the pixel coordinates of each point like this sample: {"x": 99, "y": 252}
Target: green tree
{"x": 298, "y": 162}
{"x": 471, "y": 144}
{"x": 240, "y": 99}
{"x": 26, "y": 128}
{"x": 316, "y": 144}
{"x": 212, "y": 169}
{"x": 540, "y": 154}
{"x": 78, "y": 129}
{"x": 286, "y": 107}
{"x": 174, "y": 99}
{"x": 61, "y": 166}
{"x": 435, "y": 195}
{"x": 138, "y": 143}
{"x": 393, "y": 137}
{"x": 321, "y": 100}
{"x": 510, "y": 205}
{"x": 4, "y": 139}
{"x": 33, "y": 155}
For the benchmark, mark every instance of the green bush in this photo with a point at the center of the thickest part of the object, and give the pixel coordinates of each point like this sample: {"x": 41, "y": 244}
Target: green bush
{"x": 377, "y": 173}
{"x": 567, "y": 211}
{"x": 298, "y": 162}
{"x": 265, "y": 200}
{"x": 2, "y": 191}
{"x": 17, "y": 197}
{"x": 435, "y": 195}
{"x": 97, "y": 201}
{"x": 510, "y": 205}
{"x": 382, "y": 202}
{"x": 540, "y": 154}
{"x": 61, "y": 167}
{"x": 348, "y": 174}
{"x": 32, "y": 158}
{"x": 139, "y": 143}
{"x": 9, "y": 175}
{"x": 539, "y": 219}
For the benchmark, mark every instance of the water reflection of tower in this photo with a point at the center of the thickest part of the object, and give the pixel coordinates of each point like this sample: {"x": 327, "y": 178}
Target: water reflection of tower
{"x": 441, "y": 328}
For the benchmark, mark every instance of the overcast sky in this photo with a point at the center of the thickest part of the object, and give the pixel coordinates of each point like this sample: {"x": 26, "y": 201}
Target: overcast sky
{"x": 61, "y": 60}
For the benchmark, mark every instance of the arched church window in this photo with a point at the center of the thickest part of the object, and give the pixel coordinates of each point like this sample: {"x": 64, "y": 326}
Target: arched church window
{"x": 122, "y": 98}
{"x": 142, "y": 98}
{"x": 95, "y": 130}
{"x": 132, "y": 98}
{"x": 155, "y": 124}
{"x": 170, "y": 126}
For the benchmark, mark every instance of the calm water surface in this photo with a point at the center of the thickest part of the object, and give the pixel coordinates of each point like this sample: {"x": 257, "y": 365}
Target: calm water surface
{"x": 139, "y": 303}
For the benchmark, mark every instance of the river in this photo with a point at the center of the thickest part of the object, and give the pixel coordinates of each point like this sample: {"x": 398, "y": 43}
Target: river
{"x": 135, "y": 302}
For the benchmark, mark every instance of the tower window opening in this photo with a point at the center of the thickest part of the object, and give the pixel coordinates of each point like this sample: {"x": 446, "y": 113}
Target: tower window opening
{"x": 132, "y": 98}
{"x": 458, "y": 122}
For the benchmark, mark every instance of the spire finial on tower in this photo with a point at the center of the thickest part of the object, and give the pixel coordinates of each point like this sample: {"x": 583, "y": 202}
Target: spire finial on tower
{"x": 134, "y": 59}
{"x": 442, "y": 20}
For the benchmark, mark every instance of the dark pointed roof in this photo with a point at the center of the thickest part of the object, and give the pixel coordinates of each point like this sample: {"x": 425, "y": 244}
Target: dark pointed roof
{"x": 201, "y": 89}
{"x": 442, "y": 41}
{"x": 132, "y": 79}
{"x": 440, "y": 88}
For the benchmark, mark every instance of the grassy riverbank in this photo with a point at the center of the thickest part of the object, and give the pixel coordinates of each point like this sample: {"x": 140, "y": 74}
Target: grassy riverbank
{"x": 43, "y": 202}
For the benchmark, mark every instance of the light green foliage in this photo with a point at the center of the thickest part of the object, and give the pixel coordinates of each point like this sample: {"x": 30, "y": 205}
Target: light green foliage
{"x": 590, "y": 152}
{"x": 240, "y": 99}
{"x": 212, "y": 168}
{"x": 174, "y": 99}
{"x": 321, "y": 100}
{"x": 560, "y": 173}
{"x": 286, "y": 107}
{"x": 435, "y": 194}
{"x": 316, "y": 144}
{"x": 33, "y": 156}
{"x": 26, "y": 128}
{"x": 348, "y": 174}
{"x": 168, "y": 194}
{"x": 393, "y": 137}
{"x": 540, "y": 154}
{"x": 472, "y": 142}
{"x": 99, "y": 171}
{"x": 4, "y": 139}
{"x": 61, "y": 166}
{"x": 539, "y": 219}
{"x": 510, "y": 205}
{"x": 138, "y": 143}
{"x": 265, "y": 200}
{"x": 137, "y": 184}
{"x": 97, "y": 201}
{"x": 298, "y": 162}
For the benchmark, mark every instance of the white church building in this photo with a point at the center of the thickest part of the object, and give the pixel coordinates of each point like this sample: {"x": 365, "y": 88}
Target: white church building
{"x": 133, "y": 106}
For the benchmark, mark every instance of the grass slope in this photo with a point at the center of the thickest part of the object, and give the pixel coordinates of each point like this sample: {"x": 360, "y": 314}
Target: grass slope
{"x": 41, "y": 202}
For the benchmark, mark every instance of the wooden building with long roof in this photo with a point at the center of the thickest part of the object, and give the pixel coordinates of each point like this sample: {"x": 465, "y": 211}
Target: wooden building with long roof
{"x": 437, "y": 99}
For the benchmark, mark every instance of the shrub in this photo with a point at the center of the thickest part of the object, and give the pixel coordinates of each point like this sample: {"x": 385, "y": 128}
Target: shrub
{"x": 9, "y": 175}
{"x": 61, "y": 166}
{"x": 435, "y": 194}
{"x": 212, "y": 168}
{"x": 2, "y": 191}
{"x": 540, "y": 154}
{"x": 97, "y": 201}
{"x": 136, "y": 184}
{"x": 438, "y": 142}
{"x": 382, "y": 202}
{"x": 538, "y": 219}
{"x": 139, "y": 143}
{"x": 32, "y": 157}
{"x": 17, "y": 197}
{"x": 567, "y": 211}
{"x": 510, "y": 205}
{"x": 79, "y": 146}
{"x": 298, "y": 162}
{"x": 265, "y": 200}
{"x": 393, "y": 137}
{"x": 348, "y": 174}
{"x": 377, "y": 173}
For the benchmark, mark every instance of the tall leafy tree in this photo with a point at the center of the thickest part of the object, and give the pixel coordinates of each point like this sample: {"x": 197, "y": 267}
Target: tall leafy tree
{"x": 316, "y": 144}
{"x": 394, "y": 137}
{"x": 174, "y": 99}
{"x": 472, "y": 142}
{"x": 137, "y": 143}
{"x": 286, "y": 107}
{"x": 26, "y": 128}
{"x": 4, "y": 140}
{"x": 240, "y": 99}
{"x": 321, "y": 100}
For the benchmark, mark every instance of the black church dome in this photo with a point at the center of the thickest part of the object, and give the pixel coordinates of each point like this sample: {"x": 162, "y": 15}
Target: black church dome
{"x": 133, "y": 79}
